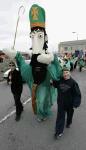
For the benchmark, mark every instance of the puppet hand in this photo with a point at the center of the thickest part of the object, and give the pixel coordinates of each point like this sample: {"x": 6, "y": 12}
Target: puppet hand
{"x": 45, "y": 58}
{"x": 51, "y": 82}
{"x": 10, "y": 52}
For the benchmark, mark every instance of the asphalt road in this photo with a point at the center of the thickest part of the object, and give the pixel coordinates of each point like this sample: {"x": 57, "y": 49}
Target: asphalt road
{"x": 6, "y": 98}
{"x": 28, "y": 134}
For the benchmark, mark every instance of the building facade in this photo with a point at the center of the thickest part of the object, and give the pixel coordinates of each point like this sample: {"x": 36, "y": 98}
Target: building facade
{"x": 72, "y": 46}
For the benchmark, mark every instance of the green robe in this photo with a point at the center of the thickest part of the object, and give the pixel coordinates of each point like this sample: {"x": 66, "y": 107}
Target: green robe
{"x": 46, "y": 94}
{"x": 81, "y": 62}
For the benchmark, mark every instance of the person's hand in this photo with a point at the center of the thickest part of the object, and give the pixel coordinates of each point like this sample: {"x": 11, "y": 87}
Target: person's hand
{"x": 45, "y": 58}
{"x": 75, "y": 107}
{"x": 51, "y": 82}
{"x": 10, "y": 52}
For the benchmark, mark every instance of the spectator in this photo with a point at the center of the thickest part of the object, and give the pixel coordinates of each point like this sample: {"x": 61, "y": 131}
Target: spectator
{"x": 16, "y": 88}
{"x": 81, "y": 63}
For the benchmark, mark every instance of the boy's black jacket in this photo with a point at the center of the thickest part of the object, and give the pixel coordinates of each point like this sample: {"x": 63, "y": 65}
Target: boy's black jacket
{"x": 69, "y": 94}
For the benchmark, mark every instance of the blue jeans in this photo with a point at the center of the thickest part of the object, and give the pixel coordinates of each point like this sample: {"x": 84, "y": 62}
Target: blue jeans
{"x": 60, "y": 121}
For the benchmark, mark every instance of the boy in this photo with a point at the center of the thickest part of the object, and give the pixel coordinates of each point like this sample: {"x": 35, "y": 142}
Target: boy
{"x": 69, "y": 97}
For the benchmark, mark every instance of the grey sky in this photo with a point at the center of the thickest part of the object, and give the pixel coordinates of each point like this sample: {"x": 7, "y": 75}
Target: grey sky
{"x": 62, "y": 18}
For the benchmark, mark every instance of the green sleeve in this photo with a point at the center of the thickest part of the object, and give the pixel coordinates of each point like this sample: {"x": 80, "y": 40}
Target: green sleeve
{"x": 55, "y": 69}
{"x": 25, "y": 69}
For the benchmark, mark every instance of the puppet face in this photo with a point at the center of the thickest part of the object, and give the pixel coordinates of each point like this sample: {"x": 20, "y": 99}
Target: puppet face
{"x": 37, "y": 41}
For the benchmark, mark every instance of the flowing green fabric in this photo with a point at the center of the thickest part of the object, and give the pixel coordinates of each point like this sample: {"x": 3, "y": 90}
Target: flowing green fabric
{"x": 55, "y": 69}
{"x": 46, "y": 94}
{"x": 81, "y": 62}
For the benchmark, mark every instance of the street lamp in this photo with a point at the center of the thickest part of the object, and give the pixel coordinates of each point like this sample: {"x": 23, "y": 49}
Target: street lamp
{"x": 76, "y": 34}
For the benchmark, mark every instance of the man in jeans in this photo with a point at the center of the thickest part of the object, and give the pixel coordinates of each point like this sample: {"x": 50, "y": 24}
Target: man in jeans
{"x": 69, "y": 97}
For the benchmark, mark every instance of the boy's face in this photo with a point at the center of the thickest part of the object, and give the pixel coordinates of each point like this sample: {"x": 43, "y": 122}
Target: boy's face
{"x": 66, "y": 75}
{"x": 12, "y": 67}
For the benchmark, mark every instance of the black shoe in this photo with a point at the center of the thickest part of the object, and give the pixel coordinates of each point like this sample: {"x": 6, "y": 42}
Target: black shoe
{"x": 18, "y": 114}
{"x": 22, "y": 109}
{"x": 18, "y": 117}
{"x": 67, "y": 126}
{"x": 56, "y": 135}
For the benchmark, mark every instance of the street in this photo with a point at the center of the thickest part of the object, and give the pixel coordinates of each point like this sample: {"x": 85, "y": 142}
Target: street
{"x": 6, "y": 98}
{"x": 28, "y": 134}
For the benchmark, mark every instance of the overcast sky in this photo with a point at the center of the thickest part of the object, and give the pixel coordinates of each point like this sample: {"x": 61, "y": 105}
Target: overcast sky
{"x": 62, "y": 18}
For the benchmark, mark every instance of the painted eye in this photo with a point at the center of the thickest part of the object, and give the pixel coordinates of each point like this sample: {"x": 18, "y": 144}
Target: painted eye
{"x": 40, "y": 36}
{"x": 31, "y": 35}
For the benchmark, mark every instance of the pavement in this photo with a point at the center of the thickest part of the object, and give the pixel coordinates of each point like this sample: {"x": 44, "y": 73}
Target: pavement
{"x": 29, "y": 134}
{"x": 1, "y": 76}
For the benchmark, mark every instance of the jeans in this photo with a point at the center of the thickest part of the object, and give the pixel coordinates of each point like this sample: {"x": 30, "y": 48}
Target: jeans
{"x": 60, "y": 121}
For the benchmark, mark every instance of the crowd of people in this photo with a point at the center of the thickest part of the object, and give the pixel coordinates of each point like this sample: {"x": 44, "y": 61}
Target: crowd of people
{"x": 74, "y": 62}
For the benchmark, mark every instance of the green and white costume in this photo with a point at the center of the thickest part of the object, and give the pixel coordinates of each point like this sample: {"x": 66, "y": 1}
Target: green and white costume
{"x": 45, "y": 93}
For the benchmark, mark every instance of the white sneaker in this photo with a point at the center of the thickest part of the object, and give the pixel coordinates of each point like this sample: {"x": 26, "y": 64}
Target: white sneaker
{"x": 39, "y": 120}
{"x": 44, "y": 119}
{"x": 60, "y": 134}
{"x": 56, "y": 136}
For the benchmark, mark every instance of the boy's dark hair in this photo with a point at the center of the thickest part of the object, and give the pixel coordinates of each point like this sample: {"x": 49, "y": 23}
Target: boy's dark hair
{"x": 66, "y": 68}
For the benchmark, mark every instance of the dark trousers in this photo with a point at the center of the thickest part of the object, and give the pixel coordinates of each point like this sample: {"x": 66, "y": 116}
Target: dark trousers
{"x": 60, "y": 121}
{"x": 18, "y": 104}
{"x": 71, "y": 67}
{"x": 80, "y": 68}
{"x": 75, "y": 65}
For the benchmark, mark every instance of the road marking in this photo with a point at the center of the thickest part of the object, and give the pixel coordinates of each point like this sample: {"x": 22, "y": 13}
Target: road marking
{"x": 13, "y": 112}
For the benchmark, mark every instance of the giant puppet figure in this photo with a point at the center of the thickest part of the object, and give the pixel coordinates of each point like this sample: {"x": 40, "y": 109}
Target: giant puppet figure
{"x": 44, "y": 66}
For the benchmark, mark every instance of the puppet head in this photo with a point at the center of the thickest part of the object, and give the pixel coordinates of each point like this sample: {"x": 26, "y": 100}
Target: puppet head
{"x": 38, "y": 33}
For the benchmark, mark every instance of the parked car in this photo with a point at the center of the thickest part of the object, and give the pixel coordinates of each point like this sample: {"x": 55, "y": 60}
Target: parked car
{"x": 5, "y": 74}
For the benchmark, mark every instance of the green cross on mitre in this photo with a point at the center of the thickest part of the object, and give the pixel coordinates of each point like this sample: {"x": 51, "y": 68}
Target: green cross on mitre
{"x": 37, "y": 16}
